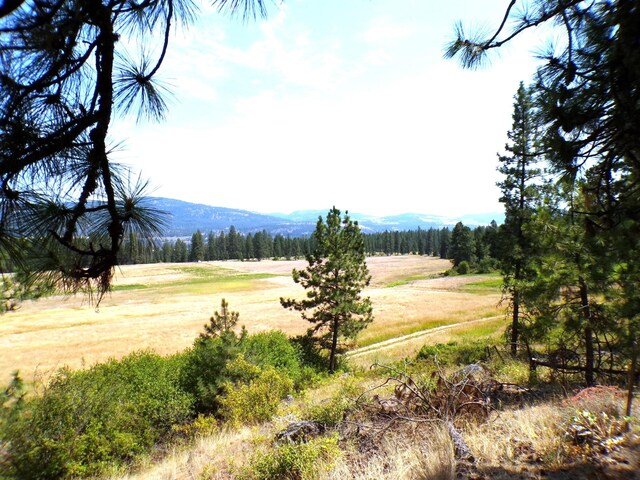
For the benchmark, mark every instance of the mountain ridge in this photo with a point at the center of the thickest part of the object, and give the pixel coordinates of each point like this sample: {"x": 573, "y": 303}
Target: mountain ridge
{"x": 184, "y": 218}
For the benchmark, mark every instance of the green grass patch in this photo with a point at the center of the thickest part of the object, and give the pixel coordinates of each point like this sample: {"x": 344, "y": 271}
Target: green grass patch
{"x": 223, "y": 283}
{"x": 490, "y": 284}
{"x": 200, "y": 279}
{"x": 482, "y": 330}
{"x": 412, "y": 278}
{"x": 404, "y": 331}
{"x": 203, "y": 270}
{"x": 127, "y": 288}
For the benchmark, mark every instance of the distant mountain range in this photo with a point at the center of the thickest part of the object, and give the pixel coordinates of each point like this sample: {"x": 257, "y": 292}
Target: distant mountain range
{"x": 185, "y": 218}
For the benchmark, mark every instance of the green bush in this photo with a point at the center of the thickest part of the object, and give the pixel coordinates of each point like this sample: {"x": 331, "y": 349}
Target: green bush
{"x": 277, "y": 350}
{"x": 333, "y": 411}
{"x": 202, "y": 371}
{"x": 255, "y": 394}
{"x": 85, "y": 422}
{"x": 274, "y": 349}
{"x": 487, "y": 265}
{"x": 453, "y": 353}
{"x": 463, "y": 267}
{"x": 296, "y": 461}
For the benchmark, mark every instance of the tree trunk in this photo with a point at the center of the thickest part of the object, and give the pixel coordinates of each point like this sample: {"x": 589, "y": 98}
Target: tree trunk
{"x": 588, "y": 332}
{"x": 631, "y": 378}
{"x": 334, "y": 346}
{"x": 515, "y": 323}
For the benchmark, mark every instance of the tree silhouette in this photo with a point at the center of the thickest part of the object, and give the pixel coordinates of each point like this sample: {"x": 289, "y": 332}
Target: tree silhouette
{"x": 65, "y": 75}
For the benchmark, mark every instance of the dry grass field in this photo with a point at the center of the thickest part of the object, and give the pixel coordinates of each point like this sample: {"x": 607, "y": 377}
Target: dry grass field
{"x": 164, "y": 306}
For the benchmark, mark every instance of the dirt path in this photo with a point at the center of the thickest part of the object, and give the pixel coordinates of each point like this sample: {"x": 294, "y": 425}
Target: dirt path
{"x": 394, "y": 342}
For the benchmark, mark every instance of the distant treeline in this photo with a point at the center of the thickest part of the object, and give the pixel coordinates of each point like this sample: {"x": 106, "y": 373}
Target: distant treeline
{"x": 460, "y": 243}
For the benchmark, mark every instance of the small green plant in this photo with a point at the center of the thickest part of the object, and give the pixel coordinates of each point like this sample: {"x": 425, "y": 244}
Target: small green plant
{"x": 201, "y": 426}
{"x": 295, "y": 461}
{"x": 221, "y": 323}
{"x": 276, "y": 350}
{"x": 599, "y": 432}
{"x": 255, "y": 395}
{"x": 333, "y": 411}
{"x": 202, "y": 369}
{"x": 453, "y": 353}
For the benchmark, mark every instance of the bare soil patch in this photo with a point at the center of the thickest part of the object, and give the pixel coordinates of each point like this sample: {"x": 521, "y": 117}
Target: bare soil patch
{"x": 166, "y": 317}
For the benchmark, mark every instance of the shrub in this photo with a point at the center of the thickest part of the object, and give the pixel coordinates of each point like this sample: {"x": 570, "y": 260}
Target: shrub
{"x": 295, "y": 461}
{"x": 463, "y": 267}
{"x": 333, "y": 411}
{"x": 487, "y": 265}
{"x": 206, "y": 367}
{"x": 454, "y": 354}
{"x": 87, "y": 421}
{"x": 274, "y": 349}
{"x": 255, "y": 394}
{"x": 595, "y": 432}
{"x": 201, "y": 426}
{"x": 202, "y": 371}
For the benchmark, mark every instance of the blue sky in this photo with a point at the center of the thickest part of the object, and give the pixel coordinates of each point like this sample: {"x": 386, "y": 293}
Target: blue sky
{"x": 332, "y": 102}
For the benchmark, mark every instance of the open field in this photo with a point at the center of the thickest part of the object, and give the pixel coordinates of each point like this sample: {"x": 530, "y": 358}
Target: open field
{"x": 164, "y": 307}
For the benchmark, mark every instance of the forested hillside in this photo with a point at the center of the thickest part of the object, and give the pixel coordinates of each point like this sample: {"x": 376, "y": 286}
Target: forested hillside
{"x": 184, "y": 218}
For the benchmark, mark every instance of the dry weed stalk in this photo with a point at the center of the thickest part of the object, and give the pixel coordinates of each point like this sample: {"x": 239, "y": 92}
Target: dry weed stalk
{"x": 442, "y": 401}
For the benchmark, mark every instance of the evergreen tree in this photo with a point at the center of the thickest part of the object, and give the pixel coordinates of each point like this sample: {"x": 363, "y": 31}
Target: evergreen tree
{"x": 334, "y": 279}
{"x": 569, "y": 278}
{"x": 248, "y": 252}
{"x": 520, "y": 196}
{"x": 167, "y": 251}
{"x": 278, "y": 246}
{"x": 222, "y": 247}
{"x": 461, "y": 247}
{"x": 211, "y": 250}
{"x": 234, "y": 244}
{"x": 590, "y": 111}
{"x": 443, "y": 244}
{"x": 180, "y": 252}
{"x": 196, "y": 251}
{"x": 221, "y": 323}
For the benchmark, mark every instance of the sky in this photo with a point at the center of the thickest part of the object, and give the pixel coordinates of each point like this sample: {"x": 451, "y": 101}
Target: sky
{"x": 332, "y": 102}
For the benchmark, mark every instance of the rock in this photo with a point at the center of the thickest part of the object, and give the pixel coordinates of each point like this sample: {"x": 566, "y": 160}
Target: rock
{"x": 299, "y": 432}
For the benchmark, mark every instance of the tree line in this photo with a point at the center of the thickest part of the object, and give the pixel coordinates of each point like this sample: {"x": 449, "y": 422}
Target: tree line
{"x": 478, "y": 246}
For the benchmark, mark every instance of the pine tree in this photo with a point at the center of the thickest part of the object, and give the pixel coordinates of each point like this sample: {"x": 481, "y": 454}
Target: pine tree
{"x": 221, "y": 323}
{"x": 196, "y": 251}
{"x": 461, "y": 246}
{"x": 520, "y": 195}
{"x": 247, "y": 251}
{"x": 234, "y": 244}
{"x": 211, "y": 253}
{"x": 222, "y": 247}
{"x": 334, "y": 279}
{"x": 443, "y": 244}
{"x": 590, "y": 111}
{"x": 180, "y": 252}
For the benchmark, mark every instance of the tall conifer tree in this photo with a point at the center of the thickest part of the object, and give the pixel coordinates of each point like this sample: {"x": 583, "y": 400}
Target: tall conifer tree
{"x": 334, "y": 279}
{"x": 520, "y": 195}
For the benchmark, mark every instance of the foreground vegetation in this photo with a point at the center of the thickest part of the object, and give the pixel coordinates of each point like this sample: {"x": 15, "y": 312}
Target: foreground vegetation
{"x": 164, "y": 416}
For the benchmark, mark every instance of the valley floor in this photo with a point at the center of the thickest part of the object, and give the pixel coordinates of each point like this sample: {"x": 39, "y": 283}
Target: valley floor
{"x": 163, "y": 307}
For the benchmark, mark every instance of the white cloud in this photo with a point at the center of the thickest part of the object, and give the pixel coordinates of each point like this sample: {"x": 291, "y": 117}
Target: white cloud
{"x": 291, "y": 118}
